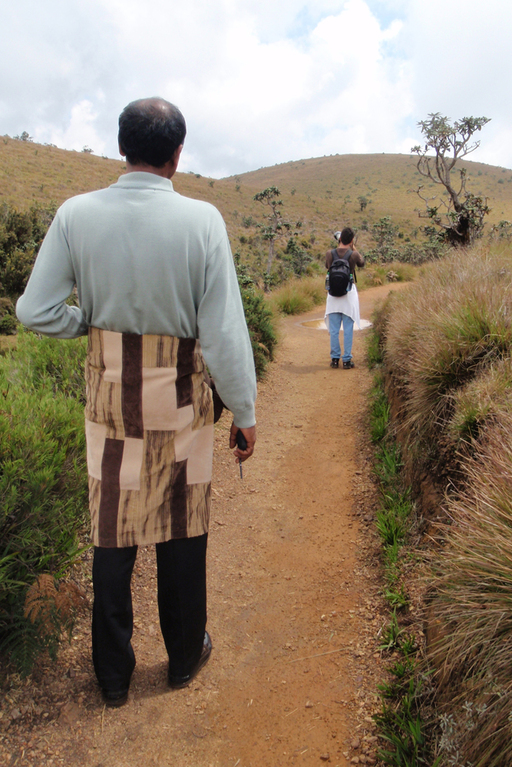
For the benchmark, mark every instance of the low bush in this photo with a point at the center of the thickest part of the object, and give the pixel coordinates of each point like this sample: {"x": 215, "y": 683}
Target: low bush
{"x": 259, "y": 319}
{"x": 43, "y": 483}
{"x": 21, "y": 234}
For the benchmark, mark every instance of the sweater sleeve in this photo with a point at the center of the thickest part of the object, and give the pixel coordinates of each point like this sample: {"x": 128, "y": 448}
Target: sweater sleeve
{"x": 225, "y": 338}
{"x": 358, "y": 259}
{"x": 43, "y": 306}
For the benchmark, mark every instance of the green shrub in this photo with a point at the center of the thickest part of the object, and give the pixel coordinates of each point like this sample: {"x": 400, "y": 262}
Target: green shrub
{"x": 261, "y": 329}
{"x": 8, "y": 325}
{"x": 43, "y": 480}
{"x": 258, "y": 317}
{"x": 298, "y": 256}
{"x": 49, "y": 365}
{"x": 21, "y": 234}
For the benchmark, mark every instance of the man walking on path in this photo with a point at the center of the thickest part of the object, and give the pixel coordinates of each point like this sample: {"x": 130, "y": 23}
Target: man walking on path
{"x": 343, "y": 308}
{"x": 158, "y": 298}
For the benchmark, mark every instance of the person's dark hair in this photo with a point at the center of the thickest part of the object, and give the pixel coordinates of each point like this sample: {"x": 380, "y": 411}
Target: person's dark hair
{"x": 150, "y": 131}
{"x": 347, "y": 236}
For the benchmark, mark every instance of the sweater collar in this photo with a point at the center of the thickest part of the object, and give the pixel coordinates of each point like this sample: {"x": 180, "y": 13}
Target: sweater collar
{"x": 141, "y": 180}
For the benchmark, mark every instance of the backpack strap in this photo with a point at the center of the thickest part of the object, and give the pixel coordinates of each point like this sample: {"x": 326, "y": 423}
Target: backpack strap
{"x": 335, "y": 255}
{"x": 349, "y": 253}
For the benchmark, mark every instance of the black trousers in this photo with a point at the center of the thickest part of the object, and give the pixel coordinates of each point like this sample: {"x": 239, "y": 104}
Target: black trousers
{"x": 181, "y": 570}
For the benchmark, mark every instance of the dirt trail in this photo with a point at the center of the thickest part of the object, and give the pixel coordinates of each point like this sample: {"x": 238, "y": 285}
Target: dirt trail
{"x": 294, "y": 605}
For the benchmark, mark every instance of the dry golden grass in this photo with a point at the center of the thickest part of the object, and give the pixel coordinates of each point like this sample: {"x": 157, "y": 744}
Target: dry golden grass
{"x": 446, "y": 332}
{"x": 473, "y": 607}
{"x": 448, "y": 348}
{"x": 297, "y": 296}
{"x": 31, "y": 173}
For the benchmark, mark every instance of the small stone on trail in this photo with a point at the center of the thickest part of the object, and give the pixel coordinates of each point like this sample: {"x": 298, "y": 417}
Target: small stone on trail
{"x": 69, "y": 714}
{"x": 356, "y": 743}
{"x": 325, "y": 757}
{"x": 309, "y": 704}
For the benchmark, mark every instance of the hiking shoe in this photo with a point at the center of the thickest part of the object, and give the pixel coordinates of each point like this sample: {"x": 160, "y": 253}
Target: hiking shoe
{"x": 347, "y": 365}
{"x": 335, "y": 363}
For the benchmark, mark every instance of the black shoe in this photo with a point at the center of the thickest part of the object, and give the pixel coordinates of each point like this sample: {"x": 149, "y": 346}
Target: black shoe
{"x": 114, "y": 698}
{"x": 176, "y": 682}
{"x": 348, "y": 364}
{"x": 335, "y": 363}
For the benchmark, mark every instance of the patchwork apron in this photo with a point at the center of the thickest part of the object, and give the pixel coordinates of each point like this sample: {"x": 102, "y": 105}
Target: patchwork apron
{"x": 149, "y": 430}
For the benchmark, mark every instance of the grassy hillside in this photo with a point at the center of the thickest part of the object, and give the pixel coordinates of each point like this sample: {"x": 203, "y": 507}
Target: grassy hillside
{"x": 321, "y": 192}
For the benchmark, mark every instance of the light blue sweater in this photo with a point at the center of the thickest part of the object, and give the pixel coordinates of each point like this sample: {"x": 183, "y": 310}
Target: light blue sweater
{"x": 146, "y": 260}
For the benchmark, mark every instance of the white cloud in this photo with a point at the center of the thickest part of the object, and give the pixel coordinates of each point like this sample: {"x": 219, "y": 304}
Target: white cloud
{"x": 79, "y": 133}
{"x": 258, "y": 82}
{"x": 461, "y": 60}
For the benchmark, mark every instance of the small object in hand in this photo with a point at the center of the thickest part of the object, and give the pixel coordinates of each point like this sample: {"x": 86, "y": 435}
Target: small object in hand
{"x": 242, "y": 445}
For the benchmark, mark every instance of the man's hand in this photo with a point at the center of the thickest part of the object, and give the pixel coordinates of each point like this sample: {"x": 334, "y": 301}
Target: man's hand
{"x": 250, "y": 436}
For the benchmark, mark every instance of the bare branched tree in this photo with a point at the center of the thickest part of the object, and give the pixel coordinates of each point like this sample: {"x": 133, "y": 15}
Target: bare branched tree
{"x": 460, "y": 215}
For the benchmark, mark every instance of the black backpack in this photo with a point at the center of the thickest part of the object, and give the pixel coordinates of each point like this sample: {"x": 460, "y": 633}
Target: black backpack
{"x": 340, "y": 278}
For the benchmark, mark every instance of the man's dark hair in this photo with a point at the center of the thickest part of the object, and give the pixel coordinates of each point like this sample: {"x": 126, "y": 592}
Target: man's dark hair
{"x": 347, "y": 236}
{"x": 150, "y": 131}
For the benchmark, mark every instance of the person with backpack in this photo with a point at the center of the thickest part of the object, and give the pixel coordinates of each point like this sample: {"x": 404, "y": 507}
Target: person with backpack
{"x": 342, "y": 299}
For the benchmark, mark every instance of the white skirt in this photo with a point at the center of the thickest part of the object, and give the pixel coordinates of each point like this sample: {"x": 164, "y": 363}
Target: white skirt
{"x": 348, "y": 304}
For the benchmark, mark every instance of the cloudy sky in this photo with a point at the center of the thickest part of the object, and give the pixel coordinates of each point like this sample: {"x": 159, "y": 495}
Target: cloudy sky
{"x": 259, "y": 81}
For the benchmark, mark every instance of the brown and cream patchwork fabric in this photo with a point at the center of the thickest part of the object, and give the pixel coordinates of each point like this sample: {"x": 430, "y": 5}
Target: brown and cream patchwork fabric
{"x": 149, "y": 429}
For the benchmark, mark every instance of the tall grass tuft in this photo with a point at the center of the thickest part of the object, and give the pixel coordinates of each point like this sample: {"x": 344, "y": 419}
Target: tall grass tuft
{"x": 473, "y": 605}
{"x": 451, "y": 328}
{"x": 43, "y": 483}
{"x": 298, "y": 296}
{"x": 481, "y": 401}
{"x": 447, "y": 350}
{"x": 381, "y": 274}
